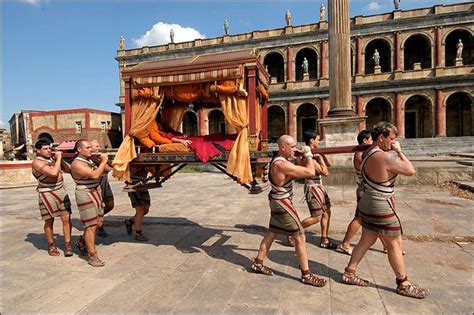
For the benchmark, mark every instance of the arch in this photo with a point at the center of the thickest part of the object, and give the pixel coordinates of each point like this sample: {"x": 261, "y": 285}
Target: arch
{"x": 450, "y": 47}
{"x": 275, "y": 64}
{"x": 190, "y": 123}
{"x": 384, "y": 50}
{"x": 217, "y": 123}
{"x": 377, "y": 109}
{"x": 312, "y": 56}
{"x": 459, "y": 115}
{"x": 276, "y": 123}
{"x": 306, "y": 119}
{"x": 418, "y": 117}
{"x": 45, "y": 136}
{"x": 417, "y": 49}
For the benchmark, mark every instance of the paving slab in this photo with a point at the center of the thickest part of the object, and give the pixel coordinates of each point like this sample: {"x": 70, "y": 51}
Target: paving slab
{"x": 204, "y": 231}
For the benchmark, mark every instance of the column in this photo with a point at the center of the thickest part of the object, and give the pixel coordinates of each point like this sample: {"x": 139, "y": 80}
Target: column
{"x": 359, "y": 56}
{"x": 324, "y": 114}
{"x": 438, "y": 47}
{"x": 128, "y": 106}
{"x": 264, "y": 120}
{"x": 398, "y": 65}
{"x": 252, "y": 101}
{"x": 360, "y": 111}
{"x": 440, "y": 113}
{"x": 289, "y": 64}
{"x": 340, "y": 90}
{"x": 202, "y": 122}
{"x": 399, "y": 116}
{"x": 291, "y": 120}
{"x": 323, "y": 62}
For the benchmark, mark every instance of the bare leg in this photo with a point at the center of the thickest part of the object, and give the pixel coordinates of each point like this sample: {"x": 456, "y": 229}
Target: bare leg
{"x": 394, "y": 246}
{"x": 265, "y": 245}
{"x": 89, "y": 237}
{"x": 48, "y": 230}
{"x": 366, "y": 241}
{"x": 141, "y": 211}
{"x": 66, "y": 228}
{"x": 300, "y": 249}
{"x": 325, "y": 221}
{"x": 310, "y": 221}
{"x": 352, "y": 229}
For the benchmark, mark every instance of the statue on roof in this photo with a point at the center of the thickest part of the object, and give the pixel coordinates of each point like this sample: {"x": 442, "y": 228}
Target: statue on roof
{"x": 122, "y": 43}
{"x": 322, "y": 13}
{"x": 396, "y": 3}
{"x": 226, "y": 27}
{"x": 172, "y": 36}
{"x": 288, "y": 17}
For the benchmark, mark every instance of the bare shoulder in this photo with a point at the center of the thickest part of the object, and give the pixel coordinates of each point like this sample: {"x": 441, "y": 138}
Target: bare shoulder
{"x": 391, "y": 156}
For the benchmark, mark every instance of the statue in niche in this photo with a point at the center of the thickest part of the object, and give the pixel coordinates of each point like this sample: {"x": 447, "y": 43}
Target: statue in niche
{"x": 288, "y": 17}
{"x": 122, "y": 42}
{"x": 226, "y": 27}
{"x": 322, "y": 13}
{"x": 172, "y": 36}
{"x": 459, "y": 49}
{"x": 376, "y": 58}
{"x": 305, "y": 66}
{"x": 396, "y": 3}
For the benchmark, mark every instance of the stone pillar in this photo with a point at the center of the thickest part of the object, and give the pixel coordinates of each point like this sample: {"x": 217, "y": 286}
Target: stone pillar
{"x": 324, "y": 115}
{"x": 360, "y": 111}
{"x": 2, "y": 130}
{"x": 440, "y": 115}
{"x": 438, "y": 47}
{"x": 264, "y": 125}
{"x": 398, "y": 64}
{"x": 359, "y": 60}
{"x": 202, "y": 122}
{"x": 323, "y": 62}
{"x": 399, "y": 116}
{"x": 289, "y": 64}
{"x": 291, "y": 120}
{"x": 128, "y": 106}
{"x": 340, "y": 90}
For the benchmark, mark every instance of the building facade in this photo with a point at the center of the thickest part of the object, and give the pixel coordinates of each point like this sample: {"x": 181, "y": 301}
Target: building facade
{"x": 413, "y": 68}
{"x": 72, "y": 124}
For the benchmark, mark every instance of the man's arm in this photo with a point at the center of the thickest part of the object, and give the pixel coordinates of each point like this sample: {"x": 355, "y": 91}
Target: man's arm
{"x": 327, "y": 161}
{"x": 65, "y": 167}
{"x": 85, "y": 171}
{"x": 320, "y": 165}
{"x": 398, "y": 163}
{"x": 45, "y": 169}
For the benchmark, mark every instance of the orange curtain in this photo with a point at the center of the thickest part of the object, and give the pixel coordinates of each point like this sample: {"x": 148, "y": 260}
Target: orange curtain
{"x": 173, "y": 114}
{"x": 145, "y": 106}
{"x": 235, "y": 112}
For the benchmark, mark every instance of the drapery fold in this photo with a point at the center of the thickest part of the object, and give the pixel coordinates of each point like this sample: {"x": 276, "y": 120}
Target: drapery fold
{"x": 147, "y": 102}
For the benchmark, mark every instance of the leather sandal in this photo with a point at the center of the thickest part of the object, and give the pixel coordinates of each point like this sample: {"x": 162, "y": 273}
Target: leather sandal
{"x": 326, "y": 243}
{"x": 95, "y": 261}
{"x": 53, "y": 250}
{"x": 128, "y": 225}
{"x": 68, "y": 249}
{"x": 410, "y": 290}
{"x": 81, "y": 245}
{"x": 349, "y": 277}
{"x": 140, "y": 237}
{"x": 311, "y": 279}
{"x": 342, "y": 249}
{"x": 260, "y": 268}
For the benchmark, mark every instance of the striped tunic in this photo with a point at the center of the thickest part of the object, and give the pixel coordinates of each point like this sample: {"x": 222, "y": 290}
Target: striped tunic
{"x": 53, "y": 200}
{"x": 283, "y": 217}
{"x": 377, "y": 203}
{"x": 89, "y": 197}
{"x": 316, "y": 196}
{"x": 140, "y": 197}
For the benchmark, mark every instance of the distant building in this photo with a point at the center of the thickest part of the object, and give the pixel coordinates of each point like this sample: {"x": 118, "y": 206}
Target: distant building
{"x": 418, "y": 82}
{"x": 61, "y": 125}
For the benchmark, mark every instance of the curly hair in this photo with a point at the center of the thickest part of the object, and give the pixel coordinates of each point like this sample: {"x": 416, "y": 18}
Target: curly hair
{"x": 382, "y": 128}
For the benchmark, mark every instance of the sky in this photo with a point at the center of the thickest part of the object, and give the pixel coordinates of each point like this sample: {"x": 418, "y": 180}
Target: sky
{"x": 60, "y": 54}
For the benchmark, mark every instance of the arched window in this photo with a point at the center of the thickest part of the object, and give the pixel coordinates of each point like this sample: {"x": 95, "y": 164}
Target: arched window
{"x": 190, "y": 125}
{"x": 459, "y": 115}
{"x": 276, "y": 123}
{"x": 452, "y": 40}
{"x": 417, "y": 49}
{"x": 312, "y": 58}
{"x": 418, "y": 117}
{"x": 274, "y": 63}
{"x": 383, "y": 50}
{"x": 377, "y": 109}
{"x": 216, "y": 122}
{"x": 306, "y": 119}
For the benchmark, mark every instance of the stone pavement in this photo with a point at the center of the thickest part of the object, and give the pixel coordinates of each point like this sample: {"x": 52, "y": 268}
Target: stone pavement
{"x": 204, "y": 230}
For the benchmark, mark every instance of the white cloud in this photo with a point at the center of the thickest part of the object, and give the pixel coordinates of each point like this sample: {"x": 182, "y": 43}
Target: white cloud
{"x": 373, "y": 6}
{"x": 3, "y": 124}
{"x": 33, "y": 2}
{"x": 160, "y": 34}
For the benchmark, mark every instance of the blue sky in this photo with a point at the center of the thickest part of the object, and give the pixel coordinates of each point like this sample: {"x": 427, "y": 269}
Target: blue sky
{"x": 60, "y": 54}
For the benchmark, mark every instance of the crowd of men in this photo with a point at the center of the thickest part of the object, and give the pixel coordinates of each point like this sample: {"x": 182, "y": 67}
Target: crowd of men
{"x": 376, "y": 168}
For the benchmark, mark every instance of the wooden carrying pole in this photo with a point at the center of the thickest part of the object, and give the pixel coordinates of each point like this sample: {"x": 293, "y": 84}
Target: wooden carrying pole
{"x": 342, "y": 149}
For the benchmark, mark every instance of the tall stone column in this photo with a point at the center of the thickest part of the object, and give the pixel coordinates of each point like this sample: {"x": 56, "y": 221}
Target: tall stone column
{"x": 291, "y": 120}
{"x": 202, "y": 122}
{"x": 440, "y": 115}
{"x": 289, "y": 64}
{"x": 324, "y": 115}
{"x": 341, "y": 125}
{"x": 360, "y": 111}
{"x": 323, "y": 59}
{"x": 399, "y": 116}
{"x": 359, "y": 56}
{"x": 398, "y": 64}
{"x": 438, "y": 47}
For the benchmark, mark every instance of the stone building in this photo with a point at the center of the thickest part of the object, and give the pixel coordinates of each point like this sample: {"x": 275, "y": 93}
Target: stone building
{"x": 61, "y": 125}
{"x": 421, "y": 80}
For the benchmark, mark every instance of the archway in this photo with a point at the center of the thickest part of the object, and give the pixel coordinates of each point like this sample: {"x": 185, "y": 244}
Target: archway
{"x": 274, "y": 63}
{"x": 45, "y": 136}
{"x": 417, "y": 49}
{"x": 377, "y": 109}
{"x": 459, "y": 115}
{"x": 276, "y": 123}
{"x": 190, "y": 125}
{"x": 451, "y": 47}
{"x": 306, "y": 119}
{"x": 312, "y": 58}
{"x": 216, "y": 122}
{"x": 418, "y": 117}
{"x": 383, "y": 48}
